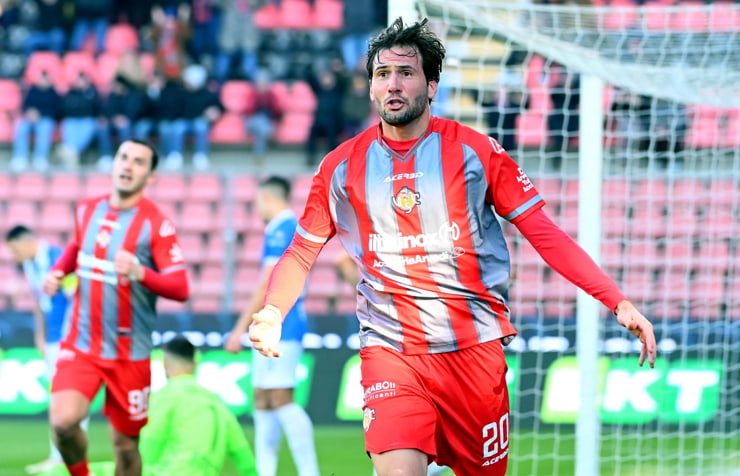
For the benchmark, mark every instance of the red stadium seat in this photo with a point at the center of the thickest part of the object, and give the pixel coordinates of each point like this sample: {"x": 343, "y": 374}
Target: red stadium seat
{"x": 267, "y": 17}
{"x": 694, "y": 19}
{"x": 5, "y": 186}
{"x": 76, "y": 62}
{"x": 719, "y": 223}
{"x": 611, "y": 255}
{"x": 531, "y": 128}
{"x": 237, "y": 96}
{"x": 216, "y": 249}
{"x": 210, "y": 282}
{"x": 705, "y": 131}
{"x": 229, "y": 129}
{"x": 295, "y": 14}
{"x": 170, "y": 210}
{"x": 688, "y": 190}
{"x": 206, "y": 187}
{"x": 206, "y": 305}
{"x": 679, "y": 256}
{"x": 294, "y": 128}
{"x": 197, "y": 217}
{"x": 322, "y": 282}
{"x": 56, "y": 217}
{"x": 10, "y": 96}
{"x": 328, "y": 14}
{"x": 192, "y": 248}
{"x": 282, "y": 94}
{"x": 30, "y": 186}
{"x": 682, "y": 220}
{"x": 65, "y": 186}
{"x": 657, "y": 18}
{"x": 641, "y": 255}
{"x": 44, "y": 61}
{"x": 648, "y": 222}
{"x": 724, "y": 16}
{"x": 301, "y": 98}
{"x": 245, "y": 282}
{"x": 22, "y": 213}
{"x": 707, "y": 296}
{"x": 316, "y": 306}
{"x": 244, "y": 187}
{"x": 639, "y": 285}
{"x": 251, "y": 250}
{"x": 121, "y": 37}
{"x": 97, "y": 184}
{"x": 731, "y": 137}
{"x": 170, "y": 188}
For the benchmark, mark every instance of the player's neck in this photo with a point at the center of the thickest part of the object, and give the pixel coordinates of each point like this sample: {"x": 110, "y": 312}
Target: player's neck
{"x": 410, "y": 131}
{"x": 123, "y": 202}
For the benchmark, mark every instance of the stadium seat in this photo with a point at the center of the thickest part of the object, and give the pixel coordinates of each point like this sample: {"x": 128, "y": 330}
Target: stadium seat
{"x": 237, "y": 96}
{"x": 316, "y": 306}
{"x": 301, "y": 98}
{"x": 731, "y": 137}
{"x": 724, "y": 17}
{"x": 639, "y": 285}
{"x": 656, "y": 18}
{"x": 97, "y": 184}
{"x": 688, "y": 190}
{"x": 267, "y": 17}
{"x": 76, "y": 62}
{"x": 679, "y": 256}
{"x": 65, "y": 186}
{"x": 10, "y": 96}
{"x": 705, "y": 127}
{"x": 328, "y": 14}
{"x": 722, "y": 192}
{"x": 215, "y": 252}
{"x": 719, "y": 223}
{"x": 244, "y": 187}
{"x": 229, "y": 129}
{"x": 295, "y": 14}
{"x": 280, "y": 90}
{"x": 682, "y": 219}
{"x": 121, "y": 37}
{"x": 611, "y": 255}
{"x": 192, "y": 248}
{"x": 21, "y": 213}
{"x": 56, "y": 217}
{"x": 250, "y": 253}
{"x": 205, "y": 187}
{"x": 715, "y": 256}
{"x": 5, "y": 183}
{"x": 294, "y": 128}
{"x": 197, "y": 217}
{"x": 29, "y": 186}
{"x": 246, "y": 280}
{"x": 707, "y": 295}
{"x": 206, "y": 305}
{"x": 622, "y": 19}
{"x": 210, "y": 282}
{"x": 7, "y": 128}
{"x": 531, "y": 129}
{"x": 322, "y": 282}
{"x": 107, "y": 64}
{"x": 647, "y": 222}
{"x": 641, "y": 255}
{"x": 300, "y": 190}
{"x": 170, "y": 210}
{"x": 170, "y": 188}
{"x": 44, "y": 61}
{"x": 614, "y": 218}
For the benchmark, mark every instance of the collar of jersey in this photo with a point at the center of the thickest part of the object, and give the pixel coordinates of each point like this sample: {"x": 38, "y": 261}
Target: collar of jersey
{"x": 411, "y": 150}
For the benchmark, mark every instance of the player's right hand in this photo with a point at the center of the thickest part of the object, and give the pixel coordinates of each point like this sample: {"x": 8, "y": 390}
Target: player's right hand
{"x": 265, "y": 330}
{"x": 233, "y": 344}
{"x": 53, "y": 281}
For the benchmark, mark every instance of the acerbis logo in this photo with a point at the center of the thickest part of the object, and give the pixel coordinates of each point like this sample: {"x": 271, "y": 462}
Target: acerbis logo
{"x": 412, "y": 176}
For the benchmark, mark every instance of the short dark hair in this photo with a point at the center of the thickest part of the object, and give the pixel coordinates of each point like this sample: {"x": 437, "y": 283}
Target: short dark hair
{"x": 278, "y": 186}
{"x": 155, "y": 154}
{"x": 417, "y": 36}
{"x": 18, "y": 232}
{"x": 181, "y": 347}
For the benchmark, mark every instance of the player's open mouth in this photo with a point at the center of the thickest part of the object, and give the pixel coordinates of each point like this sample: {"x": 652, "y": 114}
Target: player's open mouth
{"x": 125, "y": 178}
{"x": 395, "y": 103}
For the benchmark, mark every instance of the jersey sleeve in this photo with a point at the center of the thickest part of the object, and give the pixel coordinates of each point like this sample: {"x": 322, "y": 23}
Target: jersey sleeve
{"x": 316, "y": 224}
{"x": 514, "y": 195}
{"x": 166, "y": 251}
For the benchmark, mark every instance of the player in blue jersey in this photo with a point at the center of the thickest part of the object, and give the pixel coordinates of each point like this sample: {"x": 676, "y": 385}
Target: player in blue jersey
{"x": 274, "y": 380}
{"x": 50, "y": 312}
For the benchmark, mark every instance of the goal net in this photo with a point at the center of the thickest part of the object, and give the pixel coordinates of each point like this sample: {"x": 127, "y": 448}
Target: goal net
{"x": 668, "y": 170}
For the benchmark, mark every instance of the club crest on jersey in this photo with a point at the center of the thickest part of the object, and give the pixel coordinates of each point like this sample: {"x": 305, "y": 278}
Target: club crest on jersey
{"x": 406, "y": 199}
{"x": 103, "y": 238}
{"x": 368, "y": 415}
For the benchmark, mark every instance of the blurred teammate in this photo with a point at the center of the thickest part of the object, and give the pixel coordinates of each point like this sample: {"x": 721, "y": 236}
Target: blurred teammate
{"x": 49, "y": 312}
{"x": 274, "y": 380}
{"x": 190, "y": 430}
{"x": 125, "y": 253}
{"x": 414, "y": 202}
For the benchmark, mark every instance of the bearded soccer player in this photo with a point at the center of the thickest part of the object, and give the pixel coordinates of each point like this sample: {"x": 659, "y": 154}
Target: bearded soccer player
{"x": 125, "y": 253}
{"x": 414, "y": 202}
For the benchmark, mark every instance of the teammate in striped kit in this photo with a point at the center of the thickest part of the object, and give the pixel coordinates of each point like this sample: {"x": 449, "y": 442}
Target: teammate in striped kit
{"x": 125, "y": 253}
{"x": 414, "y": 202}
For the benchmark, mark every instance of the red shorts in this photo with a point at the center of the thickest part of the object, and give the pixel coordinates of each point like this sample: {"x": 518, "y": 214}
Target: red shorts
{"x": 453, "y": 406}
{"x": 127, "y": 386}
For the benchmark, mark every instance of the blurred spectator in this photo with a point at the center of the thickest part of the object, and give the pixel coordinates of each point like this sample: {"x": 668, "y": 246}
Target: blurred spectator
{"x": 48, "y": 33}
{"x": 356, "y": 104}
{"x": 40, "y": 109}
{"x": 239, "y": 37}
{"x": 206, "y": 23}
{"x": 667, "y": 133}
{"x": 563, "y": 120}
{"x": 359, "y": 25}
{"x": 130, "y": 68}
{"x": 80, "y": 112}
{"x": 260, "y": 123}
{"x": 503, "y": 106}
{"x": 164, "y": 105}
{"x": 628, "y": 123}
{"x": 329, "y": 88}
{"x": 124, "y": 104}
{"x": 90, "y": 16}
{"x": 201, "y": 108}
{"x": 170, "y": 34}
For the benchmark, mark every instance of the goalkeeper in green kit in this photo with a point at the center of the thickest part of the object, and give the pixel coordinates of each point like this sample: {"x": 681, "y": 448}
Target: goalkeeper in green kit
{"x": 190, "y": 431}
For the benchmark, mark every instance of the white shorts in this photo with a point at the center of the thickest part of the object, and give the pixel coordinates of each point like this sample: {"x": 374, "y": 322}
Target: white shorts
{"x": 277, "y": 372}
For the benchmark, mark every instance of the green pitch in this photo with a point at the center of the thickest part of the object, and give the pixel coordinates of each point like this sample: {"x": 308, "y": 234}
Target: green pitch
{"x": 341, "y": 453}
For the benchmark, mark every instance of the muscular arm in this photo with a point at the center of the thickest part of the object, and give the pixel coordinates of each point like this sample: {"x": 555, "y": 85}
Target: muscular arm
{"x": 289, "y": 275}
{"x": 68, "y": 261}
{"x": 567, "y": 258}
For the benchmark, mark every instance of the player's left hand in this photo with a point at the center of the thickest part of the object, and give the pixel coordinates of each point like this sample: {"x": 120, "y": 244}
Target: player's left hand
{"x": 127, "y": 264}
{"x": 265, "y": 331}
{"x": 640, "y": 327}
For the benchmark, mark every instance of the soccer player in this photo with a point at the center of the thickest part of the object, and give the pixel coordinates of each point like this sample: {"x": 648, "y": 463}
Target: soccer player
{"x": 274, "y": 380}
{"x": 190, "y": 430}
{"x": 413, "y": 201}
{"x": 50, "y": 312}
{"x": 125, "y": 253}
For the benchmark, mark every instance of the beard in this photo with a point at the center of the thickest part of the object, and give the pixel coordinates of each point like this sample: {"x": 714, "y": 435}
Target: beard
{"x": 413, "y": 111}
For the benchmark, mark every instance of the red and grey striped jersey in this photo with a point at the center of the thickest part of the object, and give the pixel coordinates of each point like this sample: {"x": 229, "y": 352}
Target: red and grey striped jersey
{"x": 424, "y": 230}
{"x": 113, "y": 317}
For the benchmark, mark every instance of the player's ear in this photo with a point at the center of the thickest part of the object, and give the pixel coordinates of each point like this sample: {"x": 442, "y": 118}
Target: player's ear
{"x": 152, "y": 178}
{"x": 432, "y": 89}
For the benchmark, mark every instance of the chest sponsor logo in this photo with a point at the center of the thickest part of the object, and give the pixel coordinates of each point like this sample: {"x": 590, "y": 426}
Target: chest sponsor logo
{"x": 524, "y": 180}
{"x": 442, "y": 239}
{"x": 406, "y": 199}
